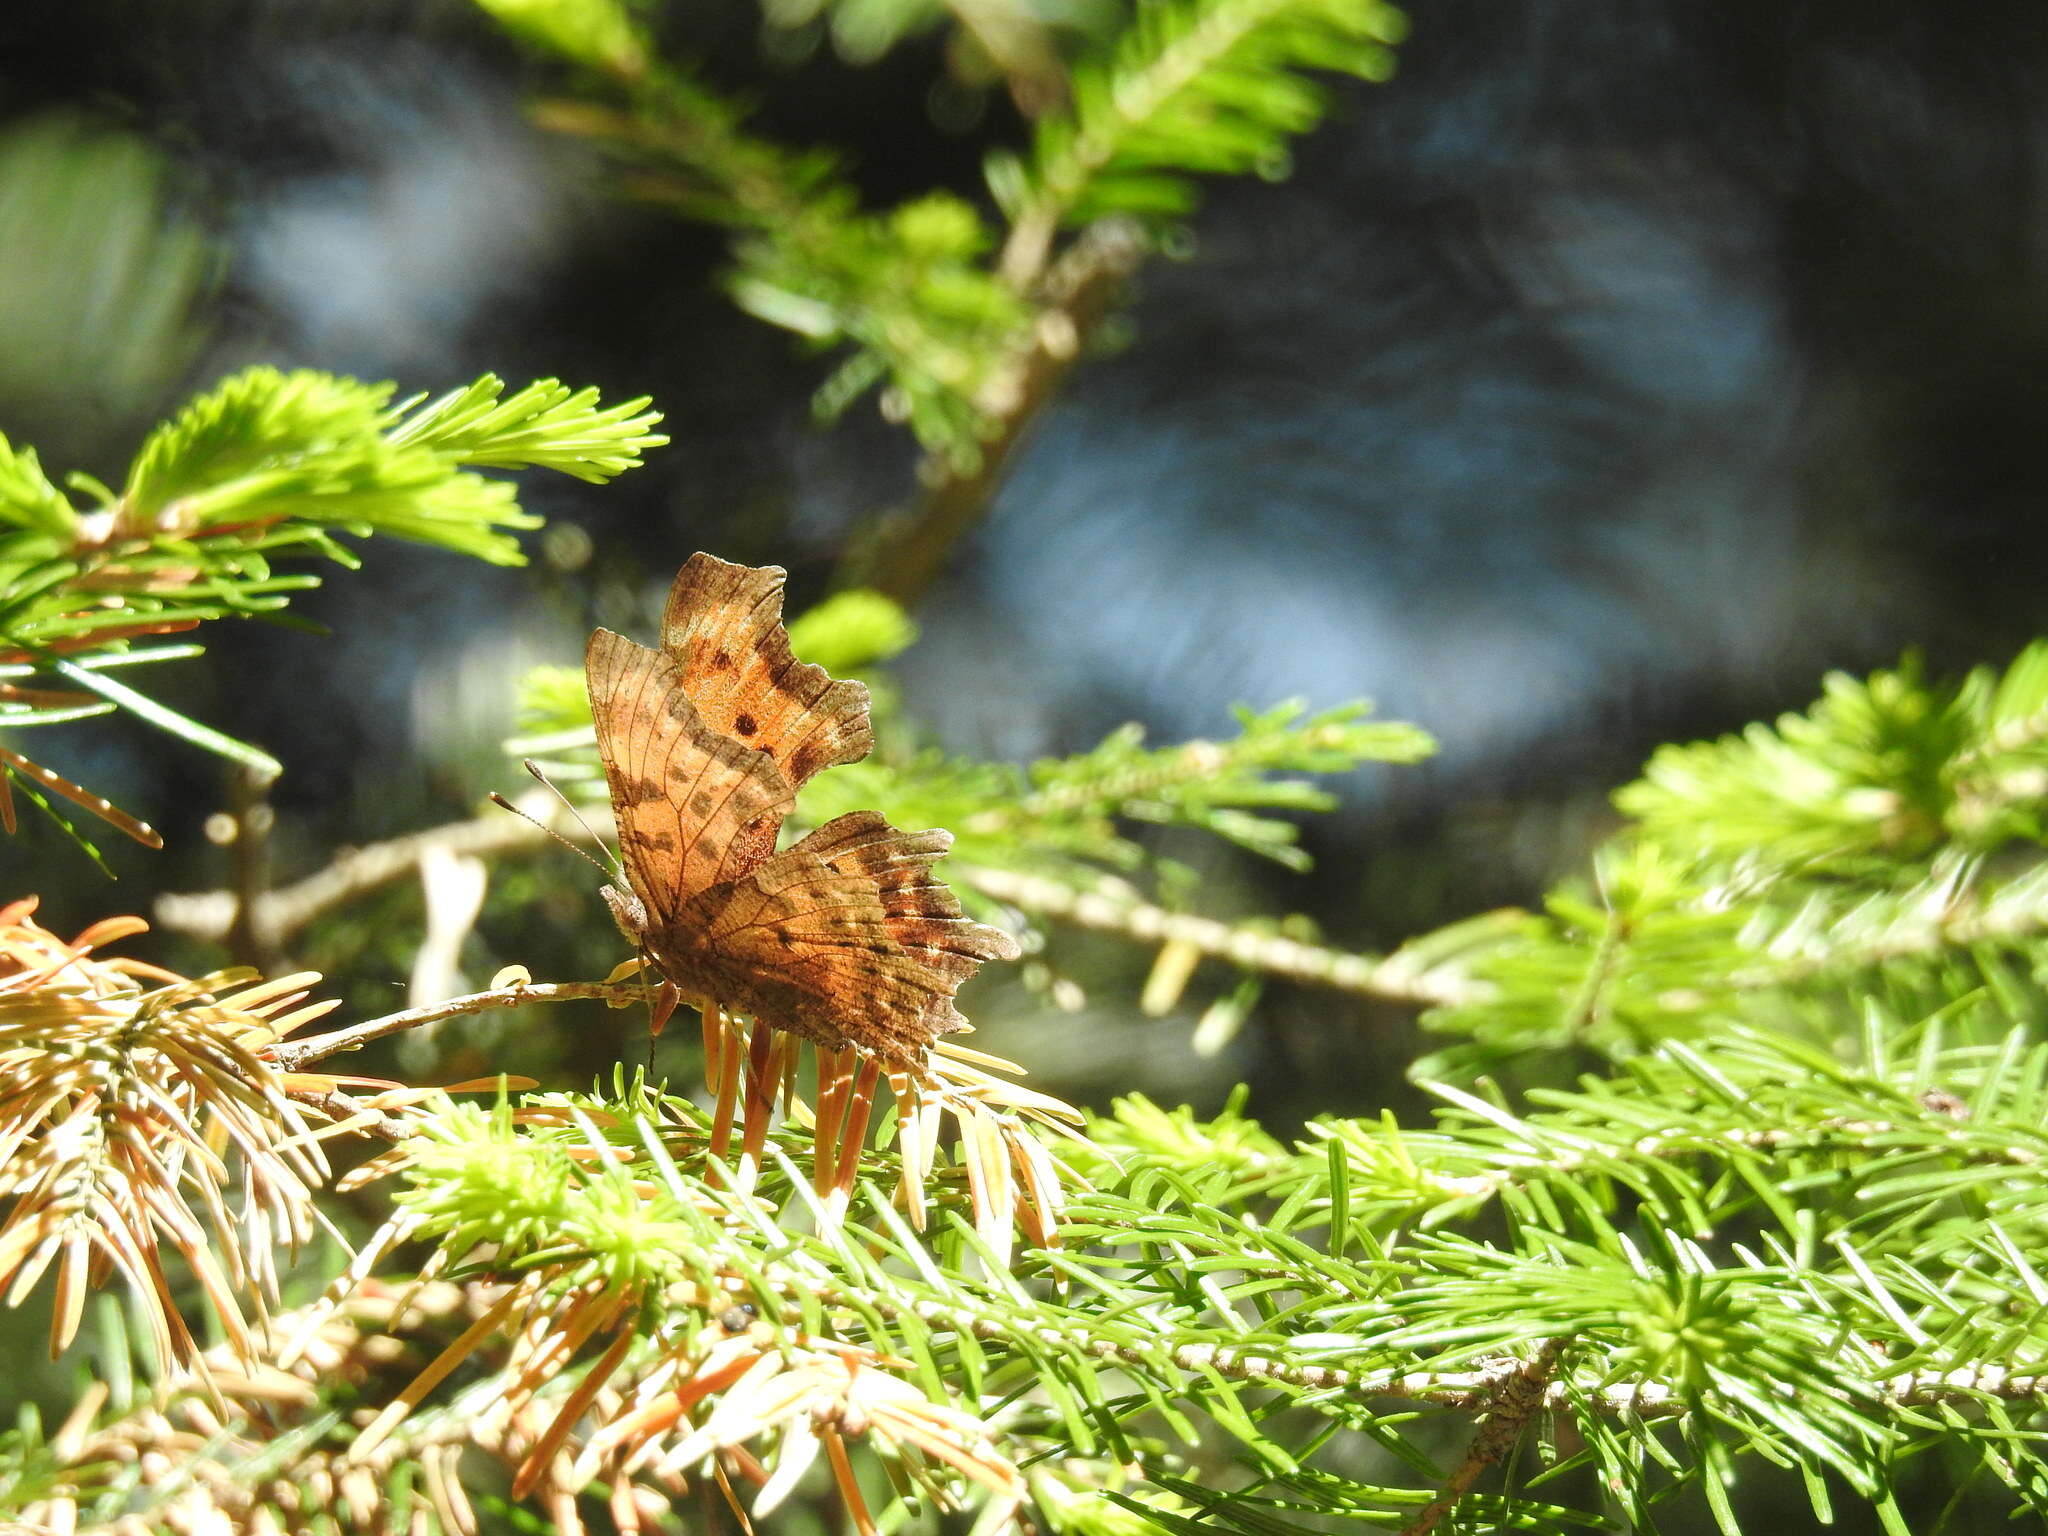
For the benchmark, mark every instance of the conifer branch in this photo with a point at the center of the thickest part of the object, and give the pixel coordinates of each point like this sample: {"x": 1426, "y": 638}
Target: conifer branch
{"x": 1106, "y": 908}
{"x": 284, "y": 911}
{"x": 266, "y": 467}
{"x": 1518, "y": 1398}
{"x": 900, "y": 555}
{"x": 1210, "y": 86}
{"x": 968, "y": 351}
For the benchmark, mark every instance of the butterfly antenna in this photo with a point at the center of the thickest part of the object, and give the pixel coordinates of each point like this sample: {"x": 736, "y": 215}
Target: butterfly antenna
{"x": 568, "y": 805}
{"x": 614, "y": 869}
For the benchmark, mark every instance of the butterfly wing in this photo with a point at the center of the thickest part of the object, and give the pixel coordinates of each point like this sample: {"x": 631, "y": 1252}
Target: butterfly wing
{"x": 846, "y": 937}
{"x": 689, "y": 801}
{"x": 724, "y": 628}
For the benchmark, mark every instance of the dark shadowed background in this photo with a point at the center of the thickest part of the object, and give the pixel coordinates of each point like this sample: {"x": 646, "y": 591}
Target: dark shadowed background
{"x": 1605, "y": 378}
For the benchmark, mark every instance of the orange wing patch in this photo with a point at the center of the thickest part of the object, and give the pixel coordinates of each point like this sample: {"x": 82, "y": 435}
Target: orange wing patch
{"x": 723, "y": 625}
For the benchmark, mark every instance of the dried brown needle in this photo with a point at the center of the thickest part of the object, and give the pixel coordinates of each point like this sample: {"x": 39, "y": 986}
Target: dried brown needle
{"x": 138, "y": 1118}
{"x": 1013, "y": 1179}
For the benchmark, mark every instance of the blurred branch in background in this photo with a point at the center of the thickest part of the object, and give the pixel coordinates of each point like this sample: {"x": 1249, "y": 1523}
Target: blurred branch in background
{"x": 281, "y": 914}
{"x": 1042, "y": 841}
{"x": 967, "y": 325}
{"x": 1405, "y": 976}
{"x": 1021, "y": 43}
{"x": 1108, "y": 906}
{"x": 901, "y": 553}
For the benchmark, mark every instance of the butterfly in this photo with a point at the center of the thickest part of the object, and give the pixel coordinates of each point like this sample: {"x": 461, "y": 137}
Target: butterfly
{"x": 845, "y": 937}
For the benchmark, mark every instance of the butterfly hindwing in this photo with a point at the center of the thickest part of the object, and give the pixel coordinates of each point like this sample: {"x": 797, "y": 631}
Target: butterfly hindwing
{"x": 690, "y": 802}
{"x": 920, "y": 913}
{"x": 845, "y": 937}
{"x": 724, "y": 628}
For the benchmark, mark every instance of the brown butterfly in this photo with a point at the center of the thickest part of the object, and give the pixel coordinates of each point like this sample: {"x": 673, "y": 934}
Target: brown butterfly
{"x": 845, "y": 937}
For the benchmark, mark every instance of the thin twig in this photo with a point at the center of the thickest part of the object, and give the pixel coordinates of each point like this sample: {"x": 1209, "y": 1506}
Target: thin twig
{"x": 364, "y": 1121}
{"x": 1475, "y": 1390}
{"x": 249, "y": 823}
{"x": 1959, "y": 927}
{"x": 1109, "y": 911}
{"x": 359, "y": 872}
{"x": 293, "y": 1056}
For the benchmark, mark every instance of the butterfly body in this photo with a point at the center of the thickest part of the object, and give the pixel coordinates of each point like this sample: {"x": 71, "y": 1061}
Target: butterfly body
{"x": 845, "y": 937}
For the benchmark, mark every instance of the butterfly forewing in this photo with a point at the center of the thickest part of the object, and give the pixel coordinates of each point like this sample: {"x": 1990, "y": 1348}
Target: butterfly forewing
{"x": 688, "y": 800}
{"x": 724, "y": 628}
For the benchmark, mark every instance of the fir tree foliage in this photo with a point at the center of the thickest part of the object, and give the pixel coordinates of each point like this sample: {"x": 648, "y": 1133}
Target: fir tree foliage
{"x": 1774, "y": 1244}
{"x": 265, "y": 469}
{"x": 1191, "y": 88}
{"x": 1731, "y": 1202}
{"x": 1891, "y": 832}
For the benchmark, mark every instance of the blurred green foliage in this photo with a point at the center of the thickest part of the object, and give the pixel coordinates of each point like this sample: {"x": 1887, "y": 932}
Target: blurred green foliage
{"x": 1882, "y": 850}
{"x": 106, "y": 265}
{"x": 935, "y": 302}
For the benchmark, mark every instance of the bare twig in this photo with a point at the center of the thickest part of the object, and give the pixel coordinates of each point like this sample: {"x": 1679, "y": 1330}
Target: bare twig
{"x": 340, "y": 1107}
{"x": 1111, "y": 911}
{"x": 278, "y": 915}
{"x": 248, "y": 838}
{"x": 295, "y": 1055}
{"x": 357, "y": 873}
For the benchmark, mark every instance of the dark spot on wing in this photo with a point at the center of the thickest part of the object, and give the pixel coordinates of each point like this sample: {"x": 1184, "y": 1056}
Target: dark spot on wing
{"x": 639, "y": 789}
{"x": 700, "y": 802}
{"x": 721, "y": 660}
{"x": 745, "y": 725}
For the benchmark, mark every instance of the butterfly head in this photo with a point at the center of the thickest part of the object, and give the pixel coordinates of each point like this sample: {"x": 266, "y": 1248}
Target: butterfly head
{"x": 628, "y": 911}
